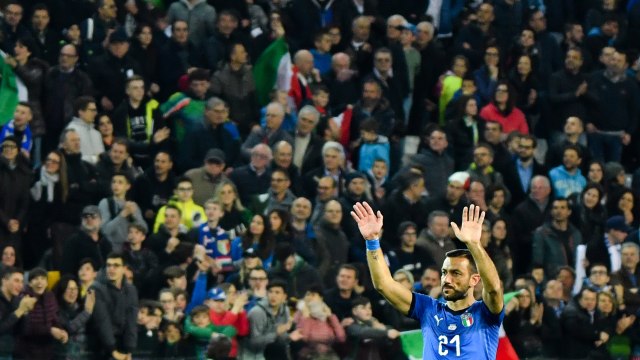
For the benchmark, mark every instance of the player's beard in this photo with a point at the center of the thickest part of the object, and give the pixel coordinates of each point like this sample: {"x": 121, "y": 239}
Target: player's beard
{"x": 456, "y": 295}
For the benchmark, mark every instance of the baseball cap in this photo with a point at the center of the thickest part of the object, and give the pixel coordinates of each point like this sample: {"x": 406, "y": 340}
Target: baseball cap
{"x": 215, "y": 156}
{"x": 617, "y": 223}
{"x": 91, "y": 210}
{"x": 250, "y": 252}
{"x": 216, "y": 294}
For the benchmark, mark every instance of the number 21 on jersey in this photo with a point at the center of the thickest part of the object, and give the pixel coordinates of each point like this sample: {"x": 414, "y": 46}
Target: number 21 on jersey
{"x": 443, "y": 340}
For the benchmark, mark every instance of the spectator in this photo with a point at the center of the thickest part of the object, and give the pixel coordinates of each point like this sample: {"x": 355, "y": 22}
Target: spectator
{"x": 105, "y": 127}
{"x": 615, "y": 99}
{"x": 523, "y": 324}
{"x": 236, "y": 217}
{"x": 302, "y": 232}
{"x": 573, "y": 135}
{"x": 12, "y": 26}
{"x": 481, "y": 168}
{"x": 283, "y": 159}
{"x": 253, "y": 179}
{"x": 15, "y": 178}
{"x": 554, "y": 243}
{"x": 522, "y": 169}
{"x": 436, "y": 158}
{"x": 222, "y": 313}
{"x": 429, "y": 283}
{"x": 110, "y": 70}
{"x": 493, "y": 136}
{"x": 63, "y": 84}
{"x": 258, "y": 282}
{"x": 391, "y": 83}
{"x": 142, "y": 261}
{"x": 89, "y": 242}
{"x": 409, "y": 256}
{"x": 504, "y": 111}
{"x": 271, "y": 134}
{"x": 73, "y": 317}
{"x": 369, "y": 336}
{"x": 152, "y": 189}
{"x": 102, "y": 23}
{"x": 145, "y": 49}
{"x": 139, "y": 120}
{"x": 114, "y": 161}
{"x": 215, "y": 240}
{"x": 580, "y": 324}
{"x": 117, "y": 213}
{"x": 333, "y": 165}
{"x": 184, "y": 108}
{"x": 199, "y": 326}
{"x": 292, "y": 269}
{"x": 259, "y": 237}
{"x": 234, "y": 83}
{"x": 370, "y": 146}
{"x": 307, "y": 144}
{"x": 435, "y": 237}
{"x": 87, "y": 274}
{"x": 177, "y": 56}
{"x": 171, "y": 313}
{"x": 40, "y": 329}
{"x": 567, "y": 179}
{"x": 13, "y": 307}
{"x": 465, "y": 131}
{"x": 454, "y": 199}
{"x": 340, "y": 296}
{"x": 271, "y": 324}
{"x": 406, "y": 204}
{"x": 623, "y": 279}
{"x": 279, "y": 195}
{"x": 332, "y": 243}
{"x": 149, "y": 317}
{"x": 319, "y": 327}
{"x": 451, "y": 82}
{"x": 174, "y": 344}
{"x": 342, "y": 82}
{"x": 83, "y": 123}
{"x": 19, "y": 127}
{"x": 169, "y": 237}
{"x": 372, "y": 104}
{"x": 200, "y": 16}
{"x": 192, "y": 213}
{"x": 588, "y": 215}
{"x": 208, "y": 177}
{"x": 568, "y": 89}
{"x": 116, "y": 309}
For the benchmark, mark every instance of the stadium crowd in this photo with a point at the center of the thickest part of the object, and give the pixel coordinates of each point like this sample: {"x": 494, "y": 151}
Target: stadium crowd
{"x": 169, "y": 174}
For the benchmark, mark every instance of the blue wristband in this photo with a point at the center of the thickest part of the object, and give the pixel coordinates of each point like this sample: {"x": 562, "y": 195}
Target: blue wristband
{"x": 373, "y": 244}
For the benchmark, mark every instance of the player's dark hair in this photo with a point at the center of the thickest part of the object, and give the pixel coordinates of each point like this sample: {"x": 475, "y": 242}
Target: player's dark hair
{"x": 464, "y": 253}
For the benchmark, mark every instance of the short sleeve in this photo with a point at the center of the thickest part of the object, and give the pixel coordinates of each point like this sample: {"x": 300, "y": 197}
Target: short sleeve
{"x": 421, "y": 305}
{"x": 491, "y": 318}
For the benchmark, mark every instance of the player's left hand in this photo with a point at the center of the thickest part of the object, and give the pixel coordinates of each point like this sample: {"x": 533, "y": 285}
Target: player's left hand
{"x": 470, "y": 231}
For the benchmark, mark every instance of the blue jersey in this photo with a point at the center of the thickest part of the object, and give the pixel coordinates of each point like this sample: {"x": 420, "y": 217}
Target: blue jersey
{"x": 471, "y": 333}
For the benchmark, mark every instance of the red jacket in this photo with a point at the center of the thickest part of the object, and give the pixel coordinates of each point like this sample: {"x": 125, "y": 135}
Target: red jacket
{"x": 239, "y": 321}
{"x": 514, "y": 121}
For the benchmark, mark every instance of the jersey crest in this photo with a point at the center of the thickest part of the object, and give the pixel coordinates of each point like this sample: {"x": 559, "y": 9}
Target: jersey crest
{"x": 467, "y": 319}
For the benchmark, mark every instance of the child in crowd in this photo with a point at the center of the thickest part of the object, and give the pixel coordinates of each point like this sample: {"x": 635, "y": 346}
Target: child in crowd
{"x": 371, "y": 339}
{"x": 322, "y": 51}
{"x": 221, "y": 315}
{"x": 371, "y": 146}
{"x": 198, "y": 325}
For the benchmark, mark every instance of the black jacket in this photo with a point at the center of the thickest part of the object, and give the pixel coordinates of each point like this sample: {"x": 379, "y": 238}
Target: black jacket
{"x": 60, "y": 90}
{"x": 83, "y": 187}
{"x": 171, "y": 65}
{"x": 398, "y": 209}
{"x": 512, "y": 181}
{"x": 312, "y": 154}
{"x": 114, "y": 317}
{"x": 81, "y": 246}
{"x": 109, "y": 74}
{"x": 14, "y": 192}
{"x": 562, "y": 95}
{"x": 526, "y": 218}
{"x": 204, "y": 137}
{"x": 579, "y": 332}
{"x": 250, "y": 183}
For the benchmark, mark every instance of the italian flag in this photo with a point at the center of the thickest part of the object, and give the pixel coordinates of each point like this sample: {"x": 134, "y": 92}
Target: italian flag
{"x": 273, "y": 70}
{"x": 12, "y": 90}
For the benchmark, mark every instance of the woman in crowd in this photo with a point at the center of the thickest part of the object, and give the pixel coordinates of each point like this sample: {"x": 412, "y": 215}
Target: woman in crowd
{"x": 236, "y": 216}
{"x": 522, "y": 323}
{"x": 144, "y": 51}
{"x": 500, "y": 252}
{"x": 596, "y": 173}
{"x": 258, "y": 237}
{"x": 465, "y": 131}
{"x": 589, "y": 216}
{"x": 9, "y": 257}
{"x": 623, "y": 204}
{"x": 525, "y": 85}
{"x": 105, "y": 127}
{"x": 279, "y": 220}
{"x": 503, "y": 110}
{"x": 240, "y": 278}
{"x": 73, "y": 317}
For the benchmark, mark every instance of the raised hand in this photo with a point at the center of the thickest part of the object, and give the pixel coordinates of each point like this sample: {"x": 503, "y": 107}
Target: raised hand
{"x": 369, "y": 224}
{"x": 470, "y": 231}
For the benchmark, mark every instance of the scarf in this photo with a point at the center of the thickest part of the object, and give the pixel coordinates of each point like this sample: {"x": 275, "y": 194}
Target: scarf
{"x": 46, "y": 180}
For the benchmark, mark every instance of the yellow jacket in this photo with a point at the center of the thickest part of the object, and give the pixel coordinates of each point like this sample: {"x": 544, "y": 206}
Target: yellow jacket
{"x": 192, "y": 215}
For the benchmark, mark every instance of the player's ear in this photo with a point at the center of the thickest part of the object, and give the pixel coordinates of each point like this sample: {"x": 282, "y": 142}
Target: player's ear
{"x": 475, "y": 279}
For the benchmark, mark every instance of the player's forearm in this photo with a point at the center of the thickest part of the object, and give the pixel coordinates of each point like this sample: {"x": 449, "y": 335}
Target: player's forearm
{"x": 487, "y": 269}
{"x": 380, "y": 273}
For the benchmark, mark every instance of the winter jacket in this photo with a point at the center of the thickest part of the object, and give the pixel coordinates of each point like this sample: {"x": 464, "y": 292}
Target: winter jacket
{"x": 32, "y": 75}
{"x": 439, "y": 165}
{"x": 9, "y": 129}
{"x": 105, "y": 171}
{"x": 34, "y": 340}
{"x": 73, "y": 319}
{"x": 8, "y": 323}
{"x": 299, "y": 279}
{"x": 249, "y": 182}
{"x": 91, "y": 145}
{"x": 553, "y": 249}
{"x": 200, "y": 16}
{"x": 14, "y": 193}
{"x": 61, "y": 89}
{"x": 369, "y": 152}
{"x": 263, "y": 324}
{"x": 564, "y": 183}
{"x": 264, "y": 136}
{"x": 151, "y": 194}
{"x": 114, "y": 316}
{"x": 238, "y": 89}
{"x": 81, "y": 246}
{"x": 192, "y": 214}
{"x": 204, "y": 186}
{"x": 580, "y": 333}
{"x": 83, "y": 187}
{"x": 109, "y": 74}
{"x": 204, "y": 137}
{"x": 513, "y": 121}
{"x": 114, "y": 226}
{"x": 562, "y": 95}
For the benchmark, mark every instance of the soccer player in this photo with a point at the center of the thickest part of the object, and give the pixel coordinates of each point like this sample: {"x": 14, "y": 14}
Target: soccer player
{"x": 461, "y": 328}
